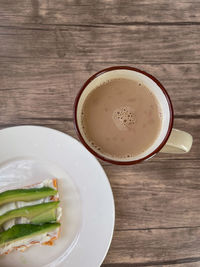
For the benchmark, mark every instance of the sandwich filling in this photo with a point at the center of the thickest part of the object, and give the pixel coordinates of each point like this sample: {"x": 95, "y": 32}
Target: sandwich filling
{"x": 32, "y": 218}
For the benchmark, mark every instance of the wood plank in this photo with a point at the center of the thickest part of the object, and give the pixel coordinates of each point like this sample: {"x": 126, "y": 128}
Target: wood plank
{"x": 67, "y": 126}
{"x": 98, "y": 12}
{"x": 34, "y": 87}
{"x": 191, "y": 264}
{"x": 155, "y": 247}
{"x": 136, "y": 44}
{"x": 165, "y": 264}
{"x": 156, "y": 194}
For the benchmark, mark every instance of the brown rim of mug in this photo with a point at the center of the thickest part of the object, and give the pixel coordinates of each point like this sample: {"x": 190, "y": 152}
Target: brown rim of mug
{"x": 118, "y": 162}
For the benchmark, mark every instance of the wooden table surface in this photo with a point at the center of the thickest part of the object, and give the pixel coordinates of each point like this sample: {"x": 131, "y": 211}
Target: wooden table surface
{"x": 48, "y": 48}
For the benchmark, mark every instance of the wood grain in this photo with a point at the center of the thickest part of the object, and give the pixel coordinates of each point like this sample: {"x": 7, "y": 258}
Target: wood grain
{"x": 179, "y": 245}
{"x": 168, "y": 200}
{"x": 113, "y": 43}
{"x": 38, "y": 84}
{"x": 99, "y": 12}
{"x": 49, "y": 48}
{"x": 193, "y": 263}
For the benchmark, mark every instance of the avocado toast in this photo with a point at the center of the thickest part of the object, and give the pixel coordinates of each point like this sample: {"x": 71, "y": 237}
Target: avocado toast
{"x": 29, "y": 216}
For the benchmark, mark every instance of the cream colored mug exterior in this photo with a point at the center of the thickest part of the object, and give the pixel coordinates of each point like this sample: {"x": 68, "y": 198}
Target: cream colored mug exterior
{"x": 178, "y": 142}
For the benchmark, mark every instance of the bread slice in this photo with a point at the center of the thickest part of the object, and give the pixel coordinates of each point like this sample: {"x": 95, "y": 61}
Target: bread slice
{"x": 27, "y": 240}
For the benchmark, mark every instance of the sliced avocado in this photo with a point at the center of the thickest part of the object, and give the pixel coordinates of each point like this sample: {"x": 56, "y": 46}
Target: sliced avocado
{"x": 22, "y": 231}
{"x": 47, "y": 216}
{"x": 32, "y": 213}
{"x": 29, "y": 194}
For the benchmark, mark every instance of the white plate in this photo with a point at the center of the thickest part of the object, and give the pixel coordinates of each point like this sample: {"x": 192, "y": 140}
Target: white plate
{"x": 29, "y": 154}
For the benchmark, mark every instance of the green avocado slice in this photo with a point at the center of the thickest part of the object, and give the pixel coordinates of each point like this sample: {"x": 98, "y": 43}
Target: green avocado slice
{"x": 39, "y": 213}
{"x": 47, "y": 216}
{"x": 29, "y": 194}
{"x": 22, "y": 231}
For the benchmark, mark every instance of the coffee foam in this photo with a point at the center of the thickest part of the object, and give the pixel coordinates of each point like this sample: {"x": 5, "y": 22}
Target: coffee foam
{"x": 124, "y": 118}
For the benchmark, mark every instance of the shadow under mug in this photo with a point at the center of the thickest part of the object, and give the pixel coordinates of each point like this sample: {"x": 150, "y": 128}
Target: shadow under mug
{"x": 168, "y": 141}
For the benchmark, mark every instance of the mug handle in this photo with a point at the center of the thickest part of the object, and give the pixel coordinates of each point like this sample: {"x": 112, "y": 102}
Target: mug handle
{"x": 178, "y": 142}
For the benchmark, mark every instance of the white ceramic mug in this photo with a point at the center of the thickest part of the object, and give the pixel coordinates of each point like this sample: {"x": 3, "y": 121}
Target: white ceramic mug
{"x": 168, "y": 141}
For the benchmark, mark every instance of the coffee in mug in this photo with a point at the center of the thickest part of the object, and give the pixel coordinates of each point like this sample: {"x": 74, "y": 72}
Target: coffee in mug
{"x": 121, "y": 118}
{"x": 124, "y": 115}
